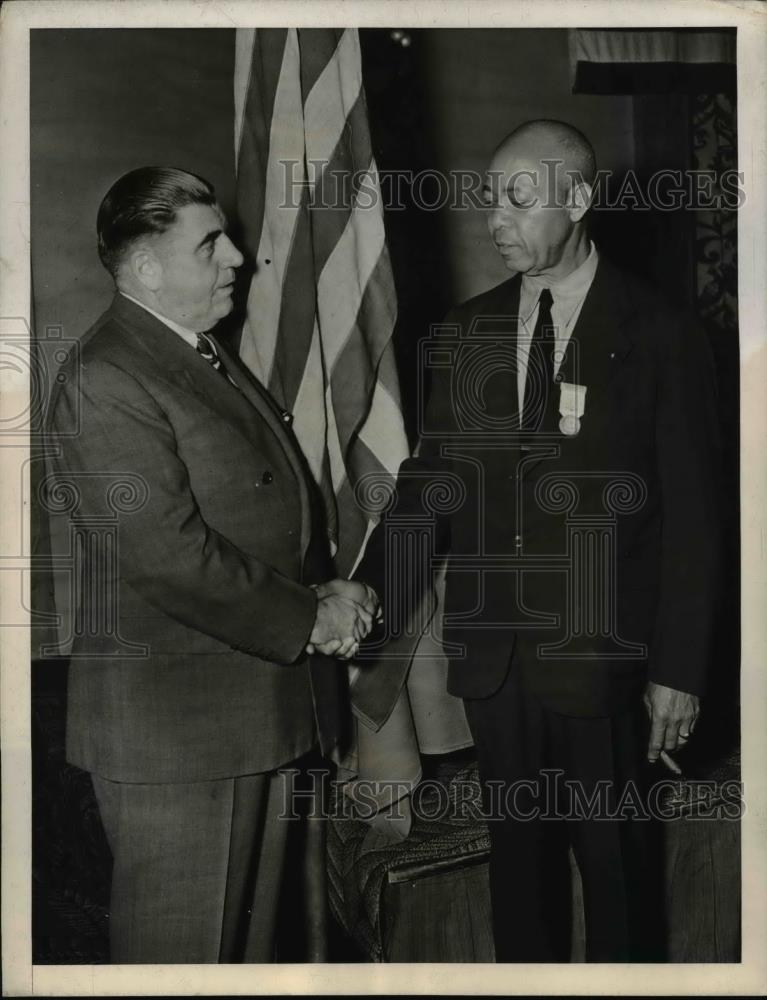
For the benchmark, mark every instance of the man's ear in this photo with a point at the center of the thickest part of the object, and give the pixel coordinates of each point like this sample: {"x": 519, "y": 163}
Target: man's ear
{"x": 146, "y": 268}
{"x": 580, "y": 200}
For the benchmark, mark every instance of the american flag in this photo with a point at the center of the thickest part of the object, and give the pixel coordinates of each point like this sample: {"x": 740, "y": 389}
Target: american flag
{"x": 321, "y": 306}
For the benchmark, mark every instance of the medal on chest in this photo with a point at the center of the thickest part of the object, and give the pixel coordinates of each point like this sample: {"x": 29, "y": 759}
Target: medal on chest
{"x": 572, "y": 405}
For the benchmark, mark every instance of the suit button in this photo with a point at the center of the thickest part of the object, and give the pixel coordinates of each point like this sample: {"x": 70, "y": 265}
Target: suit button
{"x": 267, "y": 478}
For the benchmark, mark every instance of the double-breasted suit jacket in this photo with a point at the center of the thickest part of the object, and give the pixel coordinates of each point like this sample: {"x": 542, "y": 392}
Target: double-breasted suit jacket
{"x": 614, "y": 531}
{"x": 211, "y": 570}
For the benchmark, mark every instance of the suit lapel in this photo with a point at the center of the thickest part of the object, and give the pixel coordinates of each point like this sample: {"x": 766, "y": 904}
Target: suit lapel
{"x": 279, "y": 421}
{"x": 179, "y": 363}
{"x": 596, "y": 348}
{"x": 598, "y": 344}
{"x": 513, "y": 292}
{"x": 495, "y": 319}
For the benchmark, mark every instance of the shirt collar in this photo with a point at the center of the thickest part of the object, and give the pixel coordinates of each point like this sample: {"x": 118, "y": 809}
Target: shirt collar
{"x": 570, "y": 289}
{"x": 188, "y": 335}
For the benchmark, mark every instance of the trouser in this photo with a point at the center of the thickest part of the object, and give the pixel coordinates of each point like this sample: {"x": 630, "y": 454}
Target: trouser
{"x": 540, "y": 771}
{"x": 198, "y": 867}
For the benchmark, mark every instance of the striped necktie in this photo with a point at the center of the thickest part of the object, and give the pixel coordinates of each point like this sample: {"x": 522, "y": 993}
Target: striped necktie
{"x": 207, "y": 349}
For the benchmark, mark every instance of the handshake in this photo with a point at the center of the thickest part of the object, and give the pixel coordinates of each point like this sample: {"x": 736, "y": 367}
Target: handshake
{"x": 346, "y": 610}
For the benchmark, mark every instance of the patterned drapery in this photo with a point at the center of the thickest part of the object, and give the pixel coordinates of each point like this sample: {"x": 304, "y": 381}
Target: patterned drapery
{"x": 716, "y": 236}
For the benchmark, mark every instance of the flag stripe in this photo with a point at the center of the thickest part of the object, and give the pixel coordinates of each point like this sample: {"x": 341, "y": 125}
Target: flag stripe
{"x": 298, "y": 307}
{"x": 243, "y": 71}
{"x": 310, "y": 421}
{"x": 318, "y": 47}
{"x": 331, "y": 99}
{"x": 281, "y": 212}
{"x": 355, "y": 369}
{"x": 350, "y": 288}
{"x": 383, "y": 430}
{"x": 362, "y": 461}
{"x": 332, "y": 204}
{"x": 336, "y": 460}
{"x": 355, "y": 529}
{"x": 387, "y": 373}
{"x": 253, "y": 152}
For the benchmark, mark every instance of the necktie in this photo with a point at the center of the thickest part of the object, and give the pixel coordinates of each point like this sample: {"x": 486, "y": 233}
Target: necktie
{"x": 207, "y": 349}
{"x": 539, "y": 382}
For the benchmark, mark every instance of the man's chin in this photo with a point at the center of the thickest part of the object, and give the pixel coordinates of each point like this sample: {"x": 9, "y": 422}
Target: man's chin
{"x": 513, "y": 261}
{"x": 221, "y": 311}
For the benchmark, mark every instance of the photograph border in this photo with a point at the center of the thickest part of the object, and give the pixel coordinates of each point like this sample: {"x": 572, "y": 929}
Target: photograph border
{"x": 20, "y": 976}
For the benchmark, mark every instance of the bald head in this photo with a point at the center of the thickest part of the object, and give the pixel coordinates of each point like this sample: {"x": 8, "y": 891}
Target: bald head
{"x": 545, "y": 140}
{"x": 538, "y": 191}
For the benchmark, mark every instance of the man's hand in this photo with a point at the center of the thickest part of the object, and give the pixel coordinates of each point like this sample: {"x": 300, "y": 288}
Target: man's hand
{"x": 673, "y": 715}
{"x": 355, "y": 591}
{"x": 339, "y": 626}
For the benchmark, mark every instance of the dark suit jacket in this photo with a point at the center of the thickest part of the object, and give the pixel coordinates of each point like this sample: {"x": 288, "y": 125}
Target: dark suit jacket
{"x": 210, "y": 574}
{"x": 643, "y": 469}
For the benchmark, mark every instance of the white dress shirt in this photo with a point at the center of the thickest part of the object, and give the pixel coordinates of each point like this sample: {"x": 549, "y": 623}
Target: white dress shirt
{"x": 568, "y": 295}
{"x": 188, "y": 335}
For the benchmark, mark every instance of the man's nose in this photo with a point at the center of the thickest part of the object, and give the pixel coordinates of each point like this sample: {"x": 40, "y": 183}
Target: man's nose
{"x": 229, "y": 255}
{"x": 498, "y": 221}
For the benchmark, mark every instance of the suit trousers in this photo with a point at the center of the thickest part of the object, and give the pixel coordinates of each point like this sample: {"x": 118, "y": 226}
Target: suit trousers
{"x": 198, "y": 867}
{"x": 550, "y": 781}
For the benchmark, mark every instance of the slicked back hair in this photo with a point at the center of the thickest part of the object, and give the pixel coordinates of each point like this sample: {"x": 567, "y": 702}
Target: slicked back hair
{"x": 144, "y": 202}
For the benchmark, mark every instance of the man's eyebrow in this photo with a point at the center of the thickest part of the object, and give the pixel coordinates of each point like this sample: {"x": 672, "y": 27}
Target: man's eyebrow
{"x": 210, "y": 237}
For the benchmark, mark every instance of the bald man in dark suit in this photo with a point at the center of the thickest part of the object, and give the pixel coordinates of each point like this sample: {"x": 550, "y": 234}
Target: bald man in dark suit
{"x": 573, "y": 412}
